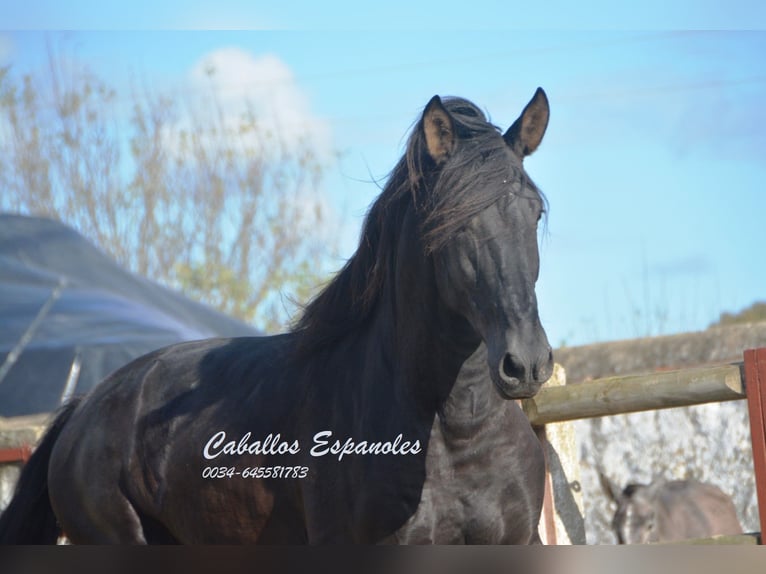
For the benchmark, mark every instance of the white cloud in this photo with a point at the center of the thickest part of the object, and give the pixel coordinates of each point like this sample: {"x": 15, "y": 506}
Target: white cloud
{"x": 6, "y": 48}
{"x": 240, "y": 81}
{"x": 268, "y": 86}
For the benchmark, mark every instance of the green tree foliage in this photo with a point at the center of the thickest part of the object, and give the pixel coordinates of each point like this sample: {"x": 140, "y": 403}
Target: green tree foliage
{"x": 215, "y": 206}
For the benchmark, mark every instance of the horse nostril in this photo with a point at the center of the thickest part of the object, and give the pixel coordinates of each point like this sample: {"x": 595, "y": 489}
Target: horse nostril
{"x": 510, "y": 368}
{"x": 544, "y": 370}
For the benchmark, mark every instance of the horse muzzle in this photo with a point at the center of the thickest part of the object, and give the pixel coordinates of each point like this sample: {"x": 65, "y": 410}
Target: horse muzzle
{"x": 516, "y": 376}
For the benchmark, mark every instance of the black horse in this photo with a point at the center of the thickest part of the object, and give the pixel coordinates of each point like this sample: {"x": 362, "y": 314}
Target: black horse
{"x": 383, "y": 416}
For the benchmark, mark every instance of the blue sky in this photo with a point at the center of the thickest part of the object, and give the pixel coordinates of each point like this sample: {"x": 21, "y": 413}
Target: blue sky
{"x": 393, "y": 14}
{"x": 654, "y": 162}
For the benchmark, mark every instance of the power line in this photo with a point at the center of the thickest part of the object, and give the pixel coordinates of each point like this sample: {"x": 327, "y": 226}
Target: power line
{"x": 242, "y": 89}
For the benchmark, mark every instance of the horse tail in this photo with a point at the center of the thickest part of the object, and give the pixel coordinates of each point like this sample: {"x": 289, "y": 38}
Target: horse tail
{"x": 29, "y": 518}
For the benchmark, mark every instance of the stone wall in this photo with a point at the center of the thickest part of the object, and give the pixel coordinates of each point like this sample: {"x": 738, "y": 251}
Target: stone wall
{"x": 708, "y": 442}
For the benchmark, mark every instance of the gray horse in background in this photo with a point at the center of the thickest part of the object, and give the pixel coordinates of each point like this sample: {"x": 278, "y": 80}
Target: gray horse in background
{"x": 670, "y": 511}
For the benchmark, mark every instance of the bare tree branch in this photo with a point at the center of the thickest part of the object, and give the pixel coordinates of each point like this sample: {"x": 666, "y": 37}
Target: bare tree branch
{"x": 213, "y": 205}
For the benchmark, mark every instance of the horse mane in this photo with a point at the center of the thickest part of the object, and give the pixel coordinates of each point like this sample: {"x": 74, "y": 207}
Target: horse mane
{"x": 445, "y": 198}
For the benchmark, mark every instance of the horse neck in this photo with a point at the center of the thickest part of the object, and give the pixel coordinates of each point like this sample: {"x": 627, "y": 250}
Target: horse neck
{"x": 473, "y": 401}
{"x": 442, "y": 363}
{"x": 442, "y": 358}
{"x": 426, "y": 342}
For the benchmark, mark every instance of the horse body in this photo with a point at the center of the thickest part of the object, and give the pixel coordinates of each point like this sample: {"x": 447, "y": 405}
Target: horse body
{"x": 144, "y": 466}
{"x": 424, "y": 335}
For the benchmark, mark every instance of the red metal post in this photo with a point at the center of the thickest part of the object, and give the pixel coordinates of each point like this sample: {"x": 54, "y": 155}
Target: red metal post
{"x": 548, "y": 514}
{"x": 18, "y": 454}
{"x": 755, "y": 387}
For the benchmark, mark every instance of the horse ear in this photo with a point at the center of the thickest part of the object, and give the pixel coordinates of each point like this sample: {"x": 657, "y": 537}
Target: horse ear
{"x": 527, "y": 132}
{"x": 439, "y": 130}
{"x": 607, "y": 487}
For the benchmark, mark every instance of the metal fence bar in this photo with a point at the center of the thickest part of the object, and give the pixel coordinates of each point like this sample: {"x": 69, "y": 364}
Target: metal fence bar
{"x": 755, "y": 385}
{"x": 17, "y": 454}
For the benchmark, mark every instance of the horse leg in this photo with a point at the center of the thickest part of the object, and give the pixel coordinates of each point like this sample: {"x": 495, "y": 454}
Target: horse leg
{"x": 91, "y": 506}
{"x": 106, "y": 519}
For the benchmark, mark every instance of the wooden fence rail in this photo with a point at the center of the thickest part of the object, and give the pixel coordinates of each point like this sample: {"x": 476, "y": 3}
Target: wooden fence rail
{"x": 620, "y": 395}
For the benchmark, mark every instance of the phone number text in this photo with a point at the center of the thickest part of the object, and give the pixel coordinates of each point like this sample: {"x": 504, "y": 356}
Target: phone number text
{"x": 255, "y": 472}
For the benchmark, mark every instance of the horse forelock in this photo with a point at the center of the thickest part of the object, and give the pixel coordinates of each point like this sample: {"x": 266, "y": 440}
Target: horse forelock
{"x": 481, "y": 171}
